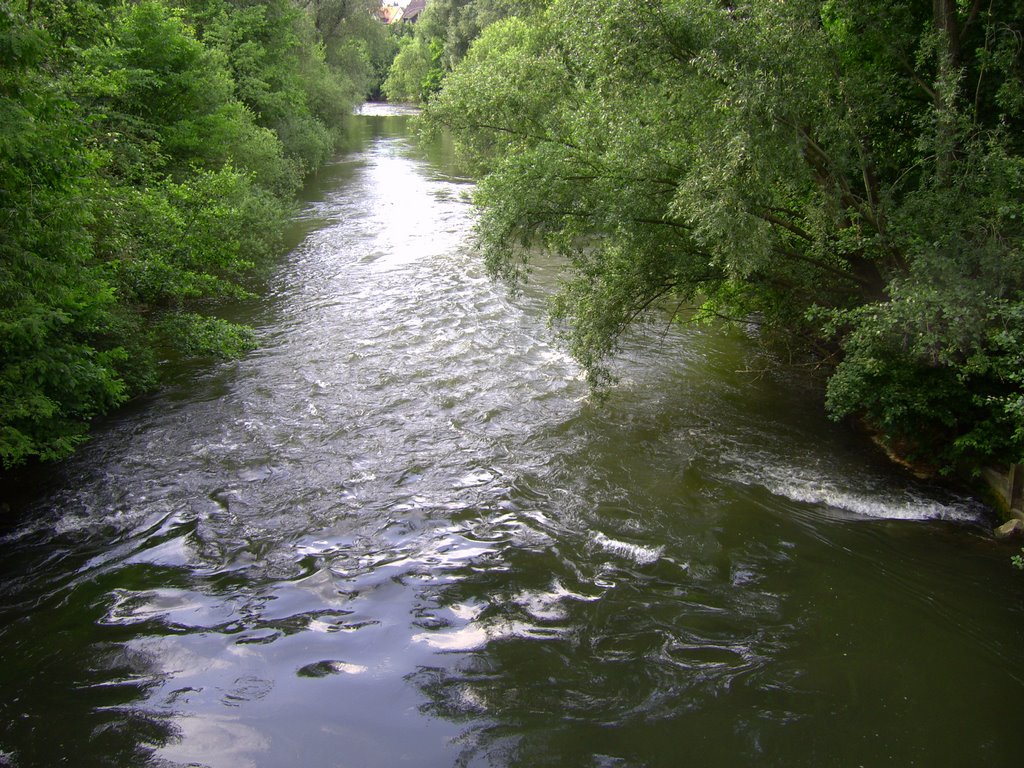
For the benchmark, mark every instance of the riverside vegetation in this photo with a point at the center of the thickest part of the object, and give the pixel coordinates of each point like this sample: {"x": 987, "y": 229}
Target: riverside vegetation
{"x": 848, "y": 176}
{"x": 149, "y": 154}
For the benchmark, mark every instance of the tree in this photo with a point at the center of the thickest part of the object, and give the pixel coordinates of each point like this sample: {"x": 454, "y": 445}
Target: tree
{"x": 149, "y": 153}
{"x": 849, "y": 175}
{"x": 56, "y": 311}
{"x": 414, "y": 73}
{"x": 439, "y": 40}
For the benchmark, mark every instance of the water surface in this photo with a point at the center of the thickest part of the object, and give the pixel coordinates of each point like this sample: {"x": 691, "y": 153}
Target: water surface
{"x": 402, "y": 532}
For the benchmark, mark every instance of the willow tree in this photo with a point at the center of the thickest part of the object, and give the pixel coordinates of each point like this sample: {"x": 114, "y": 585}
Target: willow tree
{"x": 848, "y": 173}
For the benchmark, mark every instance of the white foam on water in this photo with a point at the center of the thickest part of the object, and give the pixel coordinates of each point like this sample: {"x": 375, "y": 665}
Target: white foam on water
{"x": 468, "y": 638}
{"x": 551, "y": 605}
{"x": 865, "y": 501}
{"x": 476, "y": 635}
{"x": 466, "y": 612}
{"x": 638, "y": 554}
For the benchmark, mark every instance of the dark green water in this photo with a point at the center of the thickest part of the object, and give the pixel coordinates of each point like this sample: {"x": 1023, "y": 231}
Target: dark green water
{"x": 402, "y": 533}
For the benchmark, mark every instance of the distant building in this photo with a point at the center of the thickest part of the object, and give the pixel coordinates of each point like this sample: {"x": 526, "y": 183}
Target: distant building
{"x": 392, "y": 11}
{"x": 414, "y": 9}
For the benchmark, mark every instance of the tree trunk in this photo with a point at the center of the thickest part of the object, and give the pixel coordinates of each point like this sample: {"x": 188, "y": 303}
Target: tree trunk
{"x": 944, "y": 18}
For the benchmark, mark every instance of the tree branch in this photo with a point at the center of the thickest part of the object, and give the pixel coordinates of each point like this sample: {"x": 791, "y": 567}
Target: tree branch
{"x": 513, "y": 132}
{"x": 823, "y": 266}
{"x": 766, "y": 215}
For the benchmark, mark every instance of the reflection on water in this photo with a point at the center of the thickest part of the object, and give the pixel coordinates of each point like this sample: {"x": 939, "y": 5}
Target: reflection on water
{"x": 384, "y": 109}
{"x": 401, "y": 532}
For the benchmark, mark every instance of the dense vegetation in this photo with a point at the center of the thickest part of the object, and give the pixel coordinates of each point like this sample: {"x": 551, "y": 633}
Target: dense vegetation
{"x": 847, "y": 175}
{"x": 431, "y": 48}
{"x": 148, "y": 154}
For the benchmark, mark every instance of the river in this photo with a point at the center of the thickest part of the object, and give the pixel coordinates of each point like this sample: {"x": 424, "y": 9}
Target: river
{"x": 402, "y": 532}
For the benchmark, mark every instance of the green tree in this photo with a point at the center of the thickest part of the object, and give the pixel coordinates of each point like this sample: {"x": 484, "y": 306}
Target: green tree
{"x": 414, "y": 74}
{"x": 439, "y": 40}
{"x": 149, "y": 152}
{"x": 56, "y": 309}
{"x": 167, "y": 103}
{"x": 277, "y": 63}
{"x": 357, "y": 43}
{"x": 847, "y": 174}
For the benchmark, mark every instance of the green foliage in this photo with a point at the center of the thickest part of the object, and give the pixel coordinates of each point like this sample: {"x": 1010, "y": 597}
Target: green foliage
{"x": 849, "y": 174}
{"x": 56, "y": 372}
{"x": 172, "y": 244}
{"x": 201, "y": 335}
{"x": 359, "y": 45}
{"x": 148, "y": 155}
{"x": 438, "y": 41}
{"x": 165, "y": 103}
{"x": 280, "y": 73}
{"x": 411, "y": 72}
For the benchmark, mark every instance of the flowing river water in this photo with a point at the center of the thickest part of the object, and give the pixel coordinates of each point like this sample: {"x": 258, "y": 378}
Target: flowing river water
{"x": 402, "y": 532}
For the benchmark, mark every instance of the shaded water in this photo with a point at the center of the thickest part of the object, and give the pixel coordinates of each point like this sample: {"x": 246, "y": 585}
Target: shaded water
{"x": 402, "y": 533}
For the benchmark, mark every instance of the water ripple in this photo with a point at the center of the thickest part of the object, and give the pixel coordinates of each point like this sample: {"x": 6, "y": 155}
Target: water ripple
{"x": 404, "y": 531}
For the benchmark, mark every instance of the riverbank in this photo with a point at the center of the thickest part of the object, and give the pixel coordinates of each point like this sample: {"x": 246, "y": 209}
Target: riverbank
{"x": 1006, "y": 489}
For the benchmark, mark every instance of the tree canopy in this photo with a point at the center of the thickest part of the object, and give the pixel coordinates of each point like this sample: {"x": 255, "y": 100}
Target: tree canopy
{"x": 848, "y": 175}
{"x": 149, "y": 152}
{"x": 431, "y": 47}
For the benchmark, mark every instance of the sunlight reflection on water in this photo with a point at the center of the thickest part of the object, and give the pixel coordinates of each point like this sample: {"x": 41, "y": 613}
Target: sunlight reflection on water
{"x": 403, "y": 532}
